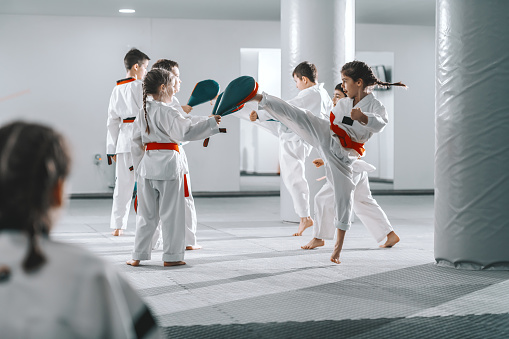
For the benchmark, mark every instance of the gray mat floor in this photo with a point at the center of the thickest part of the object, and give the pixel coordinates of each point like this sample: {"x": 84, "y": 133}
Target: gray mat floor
{"x": 252, "y": 280}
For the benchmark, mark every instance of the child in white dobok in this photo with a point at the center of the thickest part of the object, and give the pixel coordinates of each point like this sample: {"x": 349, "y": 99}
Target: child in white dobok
{"x": 364, "y": 205}
{"x": 158, "y": 130}
{"x": 191, "y": 220}
{"x": 293, "y": 150}
{"x": 50, "y": 289}
{"x": 125, "y": 102}
{"x": 340, "y": 141}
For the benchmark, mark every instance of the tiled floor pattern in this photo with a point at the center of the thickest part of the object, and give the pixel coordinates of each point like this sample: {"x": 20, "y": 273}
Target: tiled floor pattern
{"x": 252, "y": 280}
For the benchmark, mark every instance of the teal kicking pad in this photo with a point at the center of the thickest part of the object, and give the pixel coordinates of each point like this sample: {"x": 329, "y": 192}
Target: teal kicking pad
{"x": 204, "y": 91}
{"x": 237, "y": 93}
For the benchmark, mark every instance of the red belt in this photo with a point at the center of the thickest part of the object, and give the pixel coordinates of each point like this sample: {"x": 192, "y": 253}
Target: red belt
{"x": 160, "y": 145}
{"x": 344, "y": 138}
{"x": 171, "y": 146}
{"x": 186, "y": 189}
{"x": 128, "y": 120}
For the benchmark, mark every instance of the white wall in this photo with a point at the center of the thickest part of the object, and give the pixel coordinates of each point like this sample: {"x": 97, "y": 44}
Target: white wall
{"x": 64, "y": 69}
{"x": 414, "y": 109}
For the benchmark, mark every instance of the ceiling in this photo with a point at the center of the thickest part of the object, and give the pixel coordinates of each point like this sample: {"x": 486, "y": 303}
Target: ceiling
{"x": 395, "y": 12}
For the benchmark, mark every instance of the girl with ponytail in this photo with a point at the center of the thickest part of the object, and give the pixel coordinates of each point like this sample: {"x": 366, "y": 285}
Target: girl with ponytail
{"x": 157, "y": 132}
{"x": 340, "y": 140}
{"x": 50, "y": 289}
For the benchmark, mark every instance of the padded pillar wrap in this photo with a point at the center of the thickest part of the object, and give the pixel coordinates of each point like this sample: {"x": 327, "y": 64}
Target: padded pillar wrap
{"x": 472, "y": 134}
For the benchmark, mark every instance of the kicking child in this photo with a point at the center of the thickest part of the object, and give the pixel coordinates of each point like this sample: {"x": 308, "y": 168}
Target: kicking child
{"x": 352, "y": 122}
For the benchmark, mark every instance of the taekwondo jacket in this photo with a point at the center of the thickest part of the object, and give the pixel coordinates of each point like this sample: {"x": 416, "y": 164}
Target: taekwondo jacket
{"x": 125, "y": 102}
{"x": 167, "y": 125}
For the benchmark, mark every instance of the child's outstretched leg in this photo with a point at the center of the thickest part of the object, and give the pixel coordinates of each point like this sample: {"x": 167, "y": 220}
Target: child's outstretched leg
{"x": 338, "y": 246}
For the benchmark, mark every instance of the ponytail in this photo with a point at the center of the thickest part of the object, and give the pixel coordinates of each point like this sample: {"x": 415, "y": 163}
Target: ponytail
{"x": 145, "y": 109}
{"x": 383, "y": 84}
{"x": 360, "y": 70}
{"x": 151, "y": 83}
{"x": 35, "y": 258}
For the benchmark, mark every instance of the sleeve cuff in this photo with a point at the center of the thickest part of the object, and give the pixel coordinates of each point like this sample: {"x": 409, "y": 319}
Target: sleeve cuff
{"x": 263, "y": 102}
{"x": 213, "y": 124}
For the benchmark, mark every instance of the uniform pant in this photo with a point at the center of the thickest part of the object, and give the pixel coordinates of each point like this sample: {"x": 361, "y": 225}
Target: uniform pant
{"x": 364, "y": 206}
{"x": 123, "y": 192}
{"x": 164, "y": 201}
{"x": 191, "y": 222}
{"x": 316, "y": 132}
{"x": 292, "y": 157}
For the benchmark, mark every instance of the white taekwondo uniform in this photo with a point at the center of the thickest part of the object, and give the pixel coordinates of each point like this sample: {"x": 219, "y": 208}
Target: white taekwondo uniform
{"x": 364, "y": 206}
{"x": 317, "y": 132}
{"x": 125, "y": 102}
{"x": 191, "y": 220}
{"x": 161, "y": 177}
{"x": 293, "y": 151}
{"x": 74, "y": 294}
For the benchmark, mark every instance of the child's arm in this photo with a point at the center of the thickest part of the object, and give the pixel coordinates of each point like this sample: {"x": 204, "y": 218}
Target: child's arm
{"x": 373, "y": 121}
{"x": 183, "y": 129}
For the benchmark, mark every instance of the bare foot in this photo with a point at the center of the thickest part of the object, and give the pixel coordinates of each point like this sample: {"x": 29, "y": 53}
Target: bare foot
{"x": 173, "y": 263}
{"x": 315, "y": 242}
{"x": 117, "y": 232}
{"x": 133, "y": 262}
{"x": 340, "y": 238}
{"x": 335, "y": 255}
{"x": 195, "y": 247}
{"x": 392, "y": 239}
{"x": 304, "y": 223}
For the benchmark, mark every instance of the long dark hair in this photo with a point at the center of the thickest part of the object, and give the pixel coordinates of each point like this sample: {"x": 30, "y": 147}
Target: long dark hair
{"x": 33, "y": 159}
{"x": 151, "y": 83}
{"x": 360, "y": 70}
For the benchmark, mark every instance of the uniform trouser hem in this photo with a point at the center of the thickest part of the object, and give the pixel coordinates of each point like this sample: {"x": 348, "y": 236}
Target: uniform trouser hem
{"x": 173, "y": 257}
{"x": 382, "y": 237}
{"x": 343, "y": 227}
{"x": 141, "y": 256}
